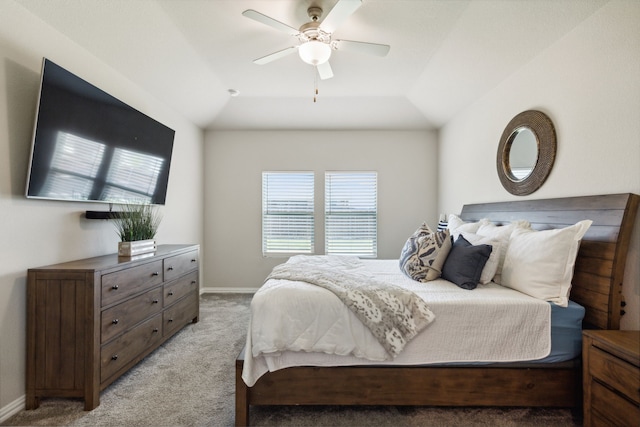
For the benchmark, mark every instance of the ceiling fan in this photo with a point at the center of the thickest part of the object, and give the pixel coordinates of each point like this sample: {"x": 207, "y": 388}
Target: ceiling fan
{"x": 315, "y": 36}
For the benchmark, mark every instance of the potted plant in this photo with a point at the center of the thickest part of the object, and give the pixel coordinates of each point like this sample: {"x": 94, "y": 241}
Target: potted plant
{"x": 136, "y": 226}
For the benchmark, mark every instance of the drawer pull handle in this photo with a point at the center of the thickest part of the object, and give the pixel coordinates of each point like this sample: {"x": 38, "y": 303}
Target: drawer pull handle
{"x": 155, "y": 301}
{"x": 170, "y": 320}
{"x": 115, "y": 287}
{"x": 170, "y": 293}
{"x": 170, "y": 268}
{"x": 114, "y": 357}
{"x": 115, "y": 321}
{"x": 194, "y": 260}
{"x": 155, "y": 330}
{"x": 156, "y": 273}
{"x": 193, "y": 282}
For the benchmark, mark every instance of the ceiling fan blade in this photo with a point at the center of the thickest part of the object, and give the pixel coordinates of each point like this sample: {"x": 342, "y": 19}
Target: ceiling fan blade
{"x": 363, "y": 47}
{"x": 340, "y": 12}
{"x": 264, "y": 19}
{"x": 324, "y": 71}
{"x": 276, "y": 55}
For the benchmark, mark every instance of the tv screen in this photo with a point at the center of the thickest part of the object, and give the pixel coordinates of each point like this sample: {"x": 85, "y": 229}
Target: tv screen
{"x": 89, "y": 146}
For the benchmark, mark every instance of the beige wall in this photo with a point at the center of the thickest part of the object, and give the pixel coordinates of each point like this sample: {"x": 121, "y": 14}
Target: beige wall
{"x": 589, "y": 85}
{"x": 34, "y": 232}
{"x": 406, "y": 162}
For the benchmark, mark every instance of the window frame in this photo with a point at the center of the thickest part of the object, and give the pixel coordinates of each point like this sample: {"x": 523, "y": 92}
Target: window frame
{"x": 305, "y": 218}
{"x": 334, "y": 219}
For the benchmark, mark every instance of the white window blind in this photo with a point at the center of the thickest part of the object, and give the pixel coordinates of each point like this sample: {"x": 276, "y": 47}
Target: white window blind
{"x": 351, "y": 214}
{"x": 287, "y": 213}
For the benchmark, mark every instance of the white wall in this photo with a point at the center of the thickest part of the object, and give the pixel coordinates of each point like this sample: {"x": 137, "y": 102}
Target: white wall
{"x": 36, "y": 233}
{"x": 589, "y": 85}
{"x": 406, "y": 162}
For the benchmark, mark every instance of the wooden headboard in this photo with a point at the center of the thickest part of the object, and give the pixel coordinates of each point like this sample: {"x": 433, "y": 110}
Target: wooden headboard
{"x": 599, "y": 269}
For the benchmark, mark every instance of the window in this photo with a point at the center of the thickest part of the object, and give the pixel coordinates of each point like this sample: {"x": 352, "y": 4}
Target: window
{"x": 351, "y": 218}
{"x": 287, "y": 213}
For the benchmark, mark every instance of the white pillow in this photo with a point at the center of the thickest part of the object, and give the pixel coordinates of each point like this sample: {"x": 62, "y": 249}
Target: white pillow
{"x": 457, "y": 226}
{"x": 491, "y": 266}
{"x": 502, "y": 234}
{"x": 540, "y": 263}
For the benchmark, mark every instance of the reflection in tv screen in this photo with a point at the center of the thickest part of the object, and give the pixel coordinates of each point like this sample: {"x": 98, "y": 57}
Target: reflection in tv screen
{"x": 89, "y": 146}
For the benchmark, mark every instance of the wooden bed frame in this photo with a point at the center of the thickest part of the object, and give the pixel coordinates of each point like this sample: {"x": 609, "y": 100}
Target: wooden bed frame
{"x": 596, "y": 285}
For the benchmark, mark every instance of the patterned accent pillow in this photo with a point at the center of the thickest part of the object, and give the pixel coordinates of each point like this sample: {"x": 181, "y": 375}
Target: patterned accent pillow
{"x": 424, "y": 253}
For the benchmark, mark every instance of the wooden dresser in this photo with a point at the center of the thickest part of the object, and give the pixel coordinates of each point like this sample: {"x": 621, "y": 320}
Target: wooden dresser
{"x": 90, "y": 320}
{"x": 611, "y": 378}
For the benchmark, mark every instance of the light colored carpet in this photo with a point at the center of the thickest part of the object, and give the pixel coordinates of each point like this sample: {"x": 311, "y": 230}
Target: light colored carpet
{"x": 189, "y": 381}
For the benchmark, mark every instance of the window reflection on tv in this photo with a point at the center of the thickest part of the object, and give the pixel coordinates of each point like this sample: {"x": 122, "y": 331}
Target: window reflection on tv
{"x": 89, "y": 146}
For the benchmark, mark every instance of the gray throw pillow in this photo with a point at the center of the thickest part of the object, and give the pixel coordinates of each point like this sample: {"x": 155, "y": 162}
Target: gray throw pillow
{"x": 465, "y": 262}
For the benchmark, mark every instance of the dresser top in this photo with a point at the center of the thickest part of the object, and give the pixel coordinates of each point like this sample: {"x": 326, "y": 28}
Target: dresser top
{"x": 104, "y": 262}
{"x": 623, "y": 344}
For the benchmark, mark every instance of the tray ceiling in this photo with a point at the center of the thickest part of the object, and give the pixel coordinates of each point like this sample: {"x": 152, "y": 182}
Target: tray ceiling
{"x": 445, "y": 54}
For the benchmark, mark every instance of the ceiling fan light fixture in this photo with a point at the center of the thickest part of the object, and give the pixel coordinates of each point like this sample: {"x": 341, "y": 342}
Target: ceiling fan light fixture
{"x": 314, "y": 52}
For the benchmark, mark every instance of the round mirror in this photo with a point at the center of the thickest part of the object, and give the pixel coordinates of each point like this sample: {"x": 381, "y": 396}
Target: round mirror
{"x": 526, "y": 152}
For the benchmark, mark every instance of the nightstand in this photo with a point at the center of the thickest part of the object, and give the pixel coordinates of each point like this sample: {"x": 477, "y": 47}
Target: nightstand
{"x": 611, "y": 378}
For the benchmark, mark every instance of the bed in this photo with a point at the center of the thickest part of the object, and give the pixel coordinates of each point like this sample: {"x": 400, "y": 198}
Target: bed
{"x": 596, "y": 286}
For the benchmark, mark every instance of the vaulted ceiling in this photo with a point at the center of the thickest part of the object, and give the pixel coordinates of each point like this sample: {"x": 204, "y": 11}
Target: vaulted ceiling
{"x": 445, "y": 54}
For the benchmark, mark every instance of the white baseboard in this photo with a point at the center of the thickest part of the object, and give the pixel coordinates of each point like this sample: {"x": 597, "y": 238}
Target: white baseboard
{"x": 228, "y": 290}
{"x": 12, "y": 408}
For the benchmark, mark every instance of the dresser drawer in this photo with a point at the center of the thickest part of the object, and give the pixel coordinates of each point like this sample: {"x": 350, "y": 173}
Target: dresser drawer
{"x": 127, "y": 347}
{"x": 615, "y": 372}
{"x": 178, "y": 265}
{"x": 179, "y": 288}
{"x": 609, "y": 408}
{"x": 116, "y": 319}
{"x": 180, "y": 314}
{"x": 122, "y": 284}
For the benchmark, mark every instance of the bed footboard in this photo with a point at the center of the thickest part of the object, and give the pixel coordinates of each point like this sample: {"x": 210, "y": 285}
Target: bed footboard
{"x": 556, "y": 385}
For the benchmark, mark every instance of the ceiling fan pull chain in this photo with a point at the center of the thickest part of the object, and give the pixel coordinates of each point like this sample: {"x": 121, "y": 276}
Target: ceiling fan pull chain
{"x": 315, "y": 82}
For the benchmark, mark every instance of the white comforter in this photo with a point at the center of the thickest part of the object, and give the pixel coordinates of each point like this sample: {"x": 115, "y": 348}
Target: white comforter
{"x": 295, "y": 323}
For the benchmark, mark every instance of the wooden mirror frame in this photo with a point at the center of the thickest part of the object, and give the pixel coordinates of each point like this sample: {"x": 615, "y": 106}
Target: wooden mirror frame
{"x": 545, "y": 133}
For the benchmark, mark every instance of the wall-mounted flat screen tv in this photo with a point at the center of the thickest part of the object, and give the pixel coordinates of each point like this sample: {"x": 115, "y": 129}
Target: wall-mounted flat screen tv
{"x": 90, "y": 146}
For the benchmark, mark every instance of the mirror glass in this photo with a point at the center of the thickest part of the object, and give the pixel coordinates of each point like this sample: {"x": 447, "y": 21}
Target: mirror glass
{"x": 526, "y": 152}
{"x": 523, "y": 154}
